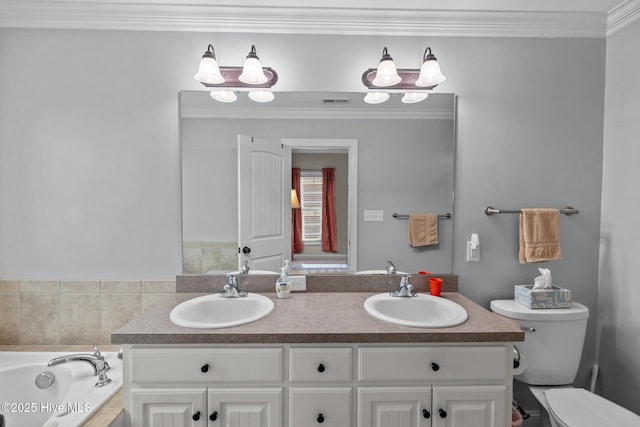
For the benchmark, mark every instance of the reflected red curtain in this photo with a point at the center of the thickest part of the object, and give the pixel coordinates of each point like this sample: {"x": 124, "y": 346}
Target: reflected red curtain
{"x": 329, "y": 222}
{"x": 296, "y": 214}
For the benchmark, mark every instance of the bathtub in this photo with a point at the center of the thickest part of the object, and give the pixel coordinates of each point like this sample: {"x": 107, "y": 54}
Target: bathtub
{"x": 69, "y": 402}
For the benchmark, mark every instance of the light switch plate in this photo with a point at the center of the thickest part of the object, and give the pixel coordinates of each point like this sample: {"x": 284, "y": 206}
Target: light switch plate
{"x": 373, "y": 215}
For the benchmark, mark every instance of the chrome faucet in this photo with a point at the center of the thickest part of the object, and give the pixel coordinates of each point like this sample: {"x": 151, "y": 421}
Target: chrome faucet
{"x": 230, "y": 289}
{"x": 390, "y": 268}
{"x": 95, "y": 359}
{"x": 405, "y": 289}
{"x": 245, "y": 267}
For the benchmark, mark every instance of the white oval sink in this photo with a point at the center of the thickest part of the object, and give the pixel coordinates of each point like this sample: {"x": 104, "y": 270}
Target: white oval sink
{"x": 421, "y": 311}
{"x": 398, "y": 273}
{"x": 213, "y": 311}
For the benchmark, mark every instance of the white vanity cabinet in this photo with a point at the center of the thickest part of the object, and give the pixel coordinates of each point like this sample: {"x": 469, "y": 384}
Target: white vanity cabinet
{"x": 233, "y": 386}
{"x": 297, "y": 385}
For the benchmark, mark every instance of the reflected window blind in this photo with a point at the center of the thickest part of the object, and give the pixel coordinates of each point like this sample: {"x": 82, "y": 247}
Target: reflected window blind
{"x": 311, "y": 205}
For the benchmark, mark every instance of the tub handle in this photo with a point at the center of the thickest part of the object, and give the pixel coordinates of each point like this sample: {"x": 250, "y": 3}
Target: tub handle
{"x": 527, "y": 328}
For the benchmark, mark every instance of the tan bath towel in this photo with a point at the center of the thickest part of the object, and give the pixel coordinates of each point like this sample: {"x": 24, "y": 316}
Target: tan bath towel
{"x": 423, "y": 230}
{"x": 539, "y": 235}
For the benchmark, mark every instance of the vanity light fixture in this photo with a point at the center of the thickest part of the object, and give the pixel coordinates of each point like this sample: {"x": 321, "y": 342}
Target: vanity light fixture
{"x": 225, "y": 82}
{"x": 412, "y": 83}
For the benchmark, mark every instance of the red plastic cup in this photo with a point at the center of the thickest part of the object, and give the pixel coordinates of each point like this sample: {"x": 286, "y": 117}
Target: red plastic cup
{"x": 435, "y": 286}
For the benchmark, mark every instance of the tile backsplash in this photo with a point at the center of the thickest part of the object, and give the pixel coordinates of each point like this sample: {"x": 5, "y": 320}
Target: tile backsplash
{"x": 74, "y": 312}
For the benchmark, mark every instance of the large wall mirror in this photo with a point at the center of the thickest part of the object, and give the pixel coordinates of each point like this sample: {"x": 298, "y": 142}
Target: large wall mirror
{"x": 390, "y": 158}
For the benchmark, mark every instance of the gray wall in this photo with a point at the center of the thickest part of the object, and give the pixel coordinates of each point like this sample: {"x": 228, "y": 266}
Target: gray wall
{"x": 618, "y": 346}
{"x": 89, "y": 154}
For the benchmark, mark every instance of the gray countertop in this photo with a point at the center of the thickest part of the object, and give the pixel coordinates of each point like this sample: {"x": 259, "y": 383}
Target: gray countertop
{"x": 317, "y": 317}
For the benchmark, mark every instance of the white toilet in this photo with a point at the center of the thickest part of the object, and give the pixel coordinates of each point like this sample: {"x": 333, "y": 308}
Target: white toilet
{"x": 551, "y": 355}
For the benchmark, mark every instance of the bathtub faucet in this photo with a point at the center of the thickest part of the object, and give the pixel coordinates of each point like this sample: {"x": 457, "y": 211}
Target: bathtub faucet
{"x": 95, "y": 359}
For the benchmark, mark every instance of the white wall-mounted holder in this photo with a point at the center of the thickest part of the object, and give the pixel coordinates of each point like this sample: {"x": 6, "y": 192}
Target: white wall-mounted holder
{"x": 473, "y": 248}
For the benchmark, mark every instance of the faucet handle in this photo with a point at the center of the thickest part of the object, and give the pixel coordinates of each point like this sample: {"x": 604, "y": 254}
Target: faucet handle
{"x": 96, "y": 350}
{"x": 404, "y": 281}
{"x": 232, "y": 279}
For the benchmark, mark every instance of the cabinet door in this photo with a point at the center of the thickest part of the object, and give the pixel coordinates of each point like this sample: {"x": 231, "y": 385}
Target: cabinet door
{"x": 469, "y": 406}
{"x": 177, "y": 407}
{"x": 245, "y": 407}
{"x": 394, "y": 407}
{"x": 320, "y": 407}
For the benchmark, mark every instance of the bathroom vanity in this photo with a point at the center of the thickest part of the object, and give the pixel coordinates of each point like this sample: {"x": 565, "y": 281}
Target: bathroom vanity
{"x": 319, "y": 360}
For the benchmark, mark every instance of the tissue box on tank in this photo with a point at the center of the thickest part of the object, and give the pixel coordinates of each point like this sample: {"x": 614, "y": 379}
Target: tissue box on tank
{"x": 556, "y": 297}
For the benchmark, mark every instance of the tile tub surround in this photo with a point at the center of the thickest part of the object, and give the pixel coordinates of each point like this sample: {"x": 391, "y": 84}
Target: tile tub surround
{"x": 54, "y": 312}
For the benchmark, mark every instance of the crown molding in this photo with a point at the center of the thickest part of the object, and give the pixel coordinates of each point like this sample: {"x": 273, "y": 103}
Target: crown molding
{"x": 166, "y": 16}
{"x": 622, "y": 16}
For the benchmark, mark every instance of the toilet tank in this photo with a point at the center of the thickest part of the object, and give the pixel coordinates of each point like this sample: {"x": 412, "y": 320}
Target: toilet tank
{"x": 552, "y": 352}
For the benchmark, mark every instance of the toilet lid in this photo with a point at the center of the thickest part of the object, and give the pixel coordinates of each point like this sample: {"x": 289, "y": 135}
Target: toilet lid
{"x": 577, "y": 407}
{"x": 515, "y": 310}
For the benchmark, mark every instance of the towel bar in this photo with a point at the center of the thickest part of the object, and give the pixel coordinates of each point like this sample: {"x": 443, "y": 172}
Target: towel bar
{"x": 490, "y": 210}
{"x": 405, "y": 216}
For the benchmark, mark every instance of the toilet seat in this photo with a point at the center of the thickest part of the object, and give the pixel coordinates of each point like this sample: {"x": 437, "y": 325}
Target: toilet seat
{"x": 577, "y": 407}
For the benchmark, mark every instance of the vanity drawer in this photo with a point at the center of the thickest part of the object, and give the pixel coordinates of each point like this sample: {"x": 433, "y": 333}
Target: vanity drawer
{"x": 320, "y": 364}
{"x": 327, "y": 406}
{"x": 421, "y": 363}
{"x": 238, "y": 365}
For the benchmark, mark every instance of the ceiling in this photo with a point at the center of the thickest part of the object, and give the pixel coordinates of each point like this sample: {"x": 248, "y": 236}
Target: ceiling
{"x": 493, "y": 18}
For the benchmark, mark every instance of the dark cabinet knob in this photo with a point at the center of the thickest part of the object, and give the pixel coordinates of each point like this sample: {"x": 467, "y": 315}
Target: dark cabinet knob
{"x": 320, "y": 418}
{"x": 213, "y": 416}
{"x": 204, "y": 368}
{"x": 426, "y": 414}
{"x": 443, "y": 413}
{"x": 196, "y": 416}
{"x": 435, "y": 367}
{"x": 246, "y": 250}
{"x": 321, "y": 368}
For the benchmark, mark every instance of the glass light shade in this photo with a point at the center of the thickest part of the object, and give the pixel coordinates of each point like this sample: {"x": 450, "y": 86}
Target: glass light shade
{"x": 413, "y": 97}
{"x": 224, "y": 95}
{"x": 295, "y": 202}
{"x": 376, "y": 97}
{"x": 261, "y": 96}
{"x": 209, "y": 71}
{"x": 386, "y": 74}
{"x": 252, "y": 70}
{"x": 430, "y": 74}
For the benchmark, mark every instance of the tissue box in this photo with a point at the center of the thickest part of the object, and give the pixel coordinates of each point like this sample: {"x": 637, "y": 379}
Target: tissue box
{"x": 556, "y": 297}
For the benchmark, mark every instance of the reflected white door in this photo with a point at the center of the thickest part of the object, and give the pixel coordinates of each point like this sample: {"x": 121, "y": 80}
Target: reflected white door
{"x": 264, "y": 203}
